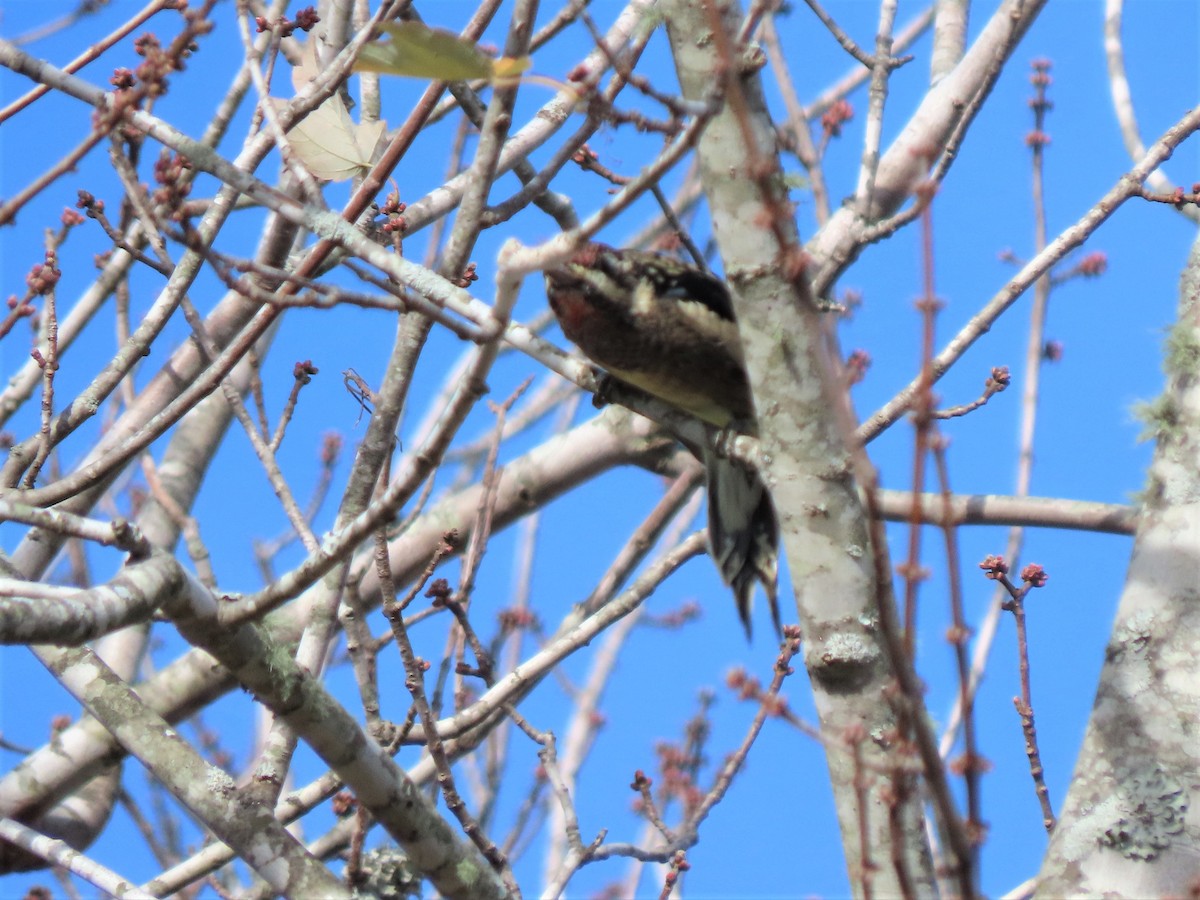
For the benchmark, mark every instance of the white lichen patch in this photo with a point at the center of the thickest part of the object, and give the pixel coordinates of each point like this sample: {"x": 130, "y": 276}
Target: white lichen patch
{"x": 218, "y": 781}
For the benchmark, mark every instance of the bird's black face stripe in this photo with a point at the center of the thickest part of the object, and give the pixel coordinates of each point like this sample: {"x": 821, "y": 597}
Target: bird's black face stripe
{"x": 611, "y": 265}
{"x": 670, "y": 279}
{"x": 704, "y": 289}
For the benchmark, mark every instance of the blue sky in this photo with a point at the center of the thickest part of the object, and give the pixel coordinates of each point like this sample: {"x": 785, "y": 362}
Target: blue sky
{"x": 1087, "y": 443}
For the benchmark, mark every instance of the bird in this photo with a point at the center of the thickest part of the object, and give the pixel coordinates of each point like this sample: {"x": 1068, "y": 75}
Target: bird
{"x": 667, "y": 328}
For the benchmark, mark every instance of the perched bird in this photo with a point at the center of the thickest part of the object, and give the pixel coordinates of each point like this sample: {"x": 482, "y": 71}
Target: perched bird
{"x": 668, "y": 328}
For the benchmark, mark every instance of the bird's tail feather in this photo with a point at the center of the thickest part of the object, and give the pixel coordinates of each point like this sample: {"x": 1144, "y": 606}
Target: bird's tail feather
{"x": 743, "y": 534}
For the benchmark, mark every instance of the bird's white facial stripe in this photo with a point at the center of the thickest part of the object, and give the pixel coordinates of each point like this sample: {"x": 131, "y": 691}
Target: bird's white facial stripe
{"x": 713, "y": 326}
{"x": 599, "y": 281}
{"x": 708, "y": 323}
{"x": 645, "y": 301}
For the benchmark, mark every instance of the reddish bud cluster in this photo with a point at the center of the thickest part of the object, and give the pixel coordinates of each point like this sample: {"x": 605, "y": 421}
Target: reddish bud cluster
{"x": 1041, "y": 72}
{"x": 1095, "y": 263}
{"x": 836, "y": 116}
{"x": 122, "y": 79}
{"x": 994, "y": 566}
{"x": 1041, "y": 80}
{"x": 149, "y": 79}
{"x": 929, "y": 305}
{"x": 775, "y": 705}
{"x": 997, "y": 381}
{"x": 913, "y": 572}
{"x": 679, "y": 864}
{"x": 1034, "y": 575}
{"x": 439, "y": 591}
{"x": 958, "y": 635}
{"x": 306, "y": 20}
{"x": 676, "y": 765}
{"x": 747, "y": 686}
{"x": 157, "y": 66}
{"x": 515, "y": 618}
{"x": 331, "y": 447}
{"x": 392, "y": 206}
{"x": 393, "y": 209}
{"x": 304, "y": 371}
{"x": 169, "y": 168}
{"x": 468, "y": 276}
{"x": 1037, "y": 139}
{"x": 88, "y": 202}
{"x": 174, "y": 187}
{"x": 43, "y": 277}
{"x": 677, "y": 618}
{"x": 972, "y": 763}
{"x": 146, "y": 45}
{"x": 343, "y": 803}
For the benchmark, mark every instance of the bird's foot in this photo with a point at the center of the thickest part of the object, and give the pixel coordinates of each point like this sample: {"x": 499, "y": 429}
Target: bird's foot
{"x": 726, "y": 444}
{"x": 605, "y": 385}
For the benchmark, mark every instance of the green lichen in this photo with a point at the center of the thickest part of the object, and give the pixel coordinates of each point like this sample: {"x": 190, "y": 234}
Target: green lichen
{"x": 1151, "y": 805}
{"x": 1160, "y": 417}
{"x": 1182, "y": 350}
